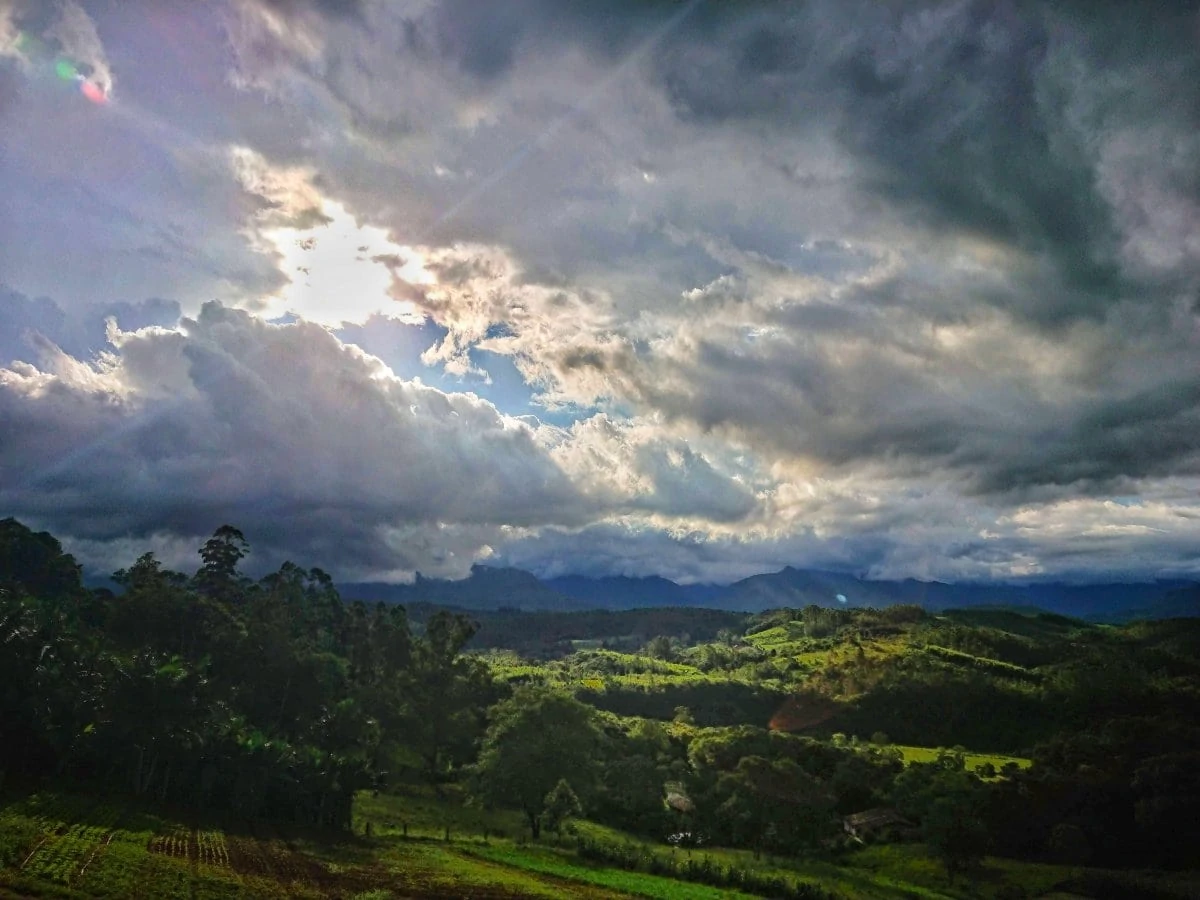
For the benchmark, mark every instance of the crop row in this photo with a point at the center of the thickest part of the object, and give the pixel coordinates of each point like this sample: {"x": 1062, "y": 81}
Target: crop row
{"x": 98, "y": 848}
{"x": 212, "y": 849}
{"x": 129, "y": 869}
{"x": 61, "y": 857}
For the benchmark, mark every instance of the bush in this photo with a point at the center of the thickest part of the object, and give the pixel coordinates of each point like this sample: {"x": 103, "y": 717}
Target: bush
{"x": 16, "y": 835}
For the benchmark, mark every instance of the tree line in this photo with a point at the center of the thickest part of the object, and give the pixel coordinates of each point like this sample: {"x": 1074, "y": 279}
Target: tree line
{"x": 264, "y": 698}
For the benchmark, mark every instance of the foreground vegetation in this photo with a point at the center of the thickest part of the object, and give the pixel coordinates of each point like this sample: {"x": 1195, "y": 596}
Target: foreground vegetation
{"x": 213, "y": 736}
{"x": 75, "y": 846}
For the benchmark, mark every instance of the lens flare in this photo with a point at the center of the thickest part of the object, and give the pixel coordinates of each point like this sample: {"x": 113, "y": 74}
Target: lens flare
{"x": 36, "y": 52}
{"x": 93, "y": 92}
{"x": 799, "y": 712}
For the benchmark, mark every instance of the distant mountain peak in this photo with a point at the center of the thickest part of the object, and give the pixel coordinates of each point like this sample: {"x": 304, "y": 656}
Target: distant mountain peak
{"x": 494, "y": 587}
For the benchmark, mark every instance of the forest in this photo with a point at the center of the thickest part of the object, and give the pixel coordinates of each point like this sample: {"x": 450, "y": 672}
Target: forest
{"x": 771, "y": 754}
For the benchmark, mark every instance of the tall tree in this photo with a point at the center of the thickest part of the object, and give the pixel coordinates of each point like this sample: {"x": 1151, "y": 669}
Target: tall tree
{"x": 448, "y": 695}
{"x": 537, "y": 738}
{"x": 218, "y": 576}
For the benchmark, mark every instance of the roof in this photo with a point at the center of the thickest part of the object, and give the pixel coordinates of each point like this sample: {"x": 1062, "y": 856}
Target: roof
{"x": 679, "y": 802}
{"x": 875, "y": 818}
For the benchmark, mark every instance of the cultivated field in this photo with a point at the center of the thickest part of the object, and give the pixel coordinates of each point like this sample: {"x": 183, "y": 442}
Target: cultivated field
{"x": 73, "y": 846}
{"x": 58, "y": 845}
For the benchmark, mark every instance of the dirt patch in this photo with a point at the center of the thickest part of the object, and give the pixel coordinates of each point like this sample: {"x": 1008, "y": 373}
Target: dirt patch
{"x": 274, "y": 860}
{"x": 246, "y": 857}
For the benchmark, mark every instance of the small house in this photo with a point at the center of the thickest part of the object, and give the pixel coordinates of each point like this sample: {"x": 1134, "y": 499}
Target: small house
{"x": 875, "y": 823}
{"x": 677, "y": 798}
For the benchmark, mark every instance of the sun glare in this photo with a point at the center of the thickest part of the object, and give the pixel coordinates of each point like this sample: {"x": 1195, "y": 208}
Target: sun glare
{"x": 342, "y": 271}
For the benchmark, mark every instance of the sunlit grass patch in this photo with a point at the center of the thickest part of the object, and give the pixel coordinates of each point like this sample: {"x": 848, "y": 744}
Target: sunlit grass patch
{"x": 972, "y": 761}
{"x": 562, "y": 865}
{"x": 419, "y": 812}
{"x": 780, "y": 634}
{"x": 427, "y": 867}
{"x": 994, "y": 878}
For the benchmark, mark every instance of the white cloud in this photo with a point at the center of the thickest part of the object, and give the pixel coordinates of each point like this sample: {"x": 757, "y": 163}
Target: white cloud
{"x": 287, "y": 193}
{"x": 639, "y": 467}
{"x": 305, "y": 443}
{"x": 9, "y": 35}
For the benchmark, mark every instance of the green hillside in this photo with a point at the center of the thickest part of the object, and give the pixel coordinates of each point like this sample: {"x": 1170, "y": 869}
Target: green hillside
{"x": 214, "y": 736}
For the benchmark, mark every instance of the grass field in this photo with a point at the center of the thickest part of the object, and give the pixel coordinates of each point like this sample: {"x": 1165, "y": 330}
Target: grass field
{"x": 61, "y": 845}
{"x": 972, "y": 761}
{"x": 554, "y": 862}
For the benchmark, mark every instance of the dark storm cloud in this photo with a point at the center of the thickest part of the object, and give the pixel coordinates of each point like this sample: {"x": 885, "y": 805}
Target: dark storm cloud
{"x": 867, "y": 381}
{"x": 978, "y": 120}
{"x": 1151, "y": 433}
{"x": 484, "y": 39}
{"x": 988, "y": 431}
{"x": 805, "y": 402}
{"x": 977, "y": 117}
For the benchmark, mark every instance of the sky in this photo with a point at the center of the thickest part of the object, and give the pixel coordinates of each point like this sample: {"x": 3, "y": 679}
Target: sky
{"x": 636, "y": 287}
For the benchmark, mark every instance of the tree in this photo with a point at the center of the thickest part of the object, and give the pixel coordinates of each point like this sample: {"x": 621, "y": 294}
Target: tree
{"x": 1167, "y": 791}
{"x": 660, "y": 648}
{"x": 631, "y": 794}
{"x": 955, "y": 832}
{"x": 1068, "y": 844}
{"x": 561, "y": 804}
{"x": 537, "y": 738}
{"x": 218, "y": 577}
{"x": 268, "y": 699}
{"x": 154, "y": 609}
{"x": 35, "y": 562}
{"x": 447, "y": 697}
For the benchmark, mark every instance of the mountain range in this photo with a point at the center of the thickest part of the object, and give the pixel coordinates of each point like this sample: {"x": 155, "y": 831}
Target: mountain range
{"x": 491, "y": 588}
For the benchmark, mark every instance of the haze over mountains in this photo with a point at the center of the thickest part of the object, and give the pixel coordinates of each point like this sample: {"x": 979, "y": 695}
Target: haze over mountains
{"x": 490, "y": 588}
